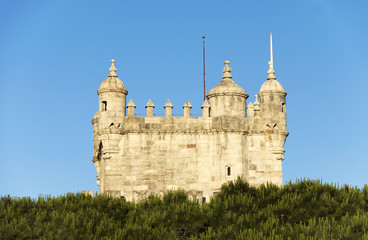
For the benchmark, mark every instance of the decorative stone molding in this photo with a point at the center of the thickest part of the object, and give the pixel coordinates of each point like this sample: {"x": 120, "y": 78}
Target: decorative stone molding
{"x": 195, "y": 194}
{"x": 229, "y": 93}
{"x": 278, "y": 152}
{"x": 139, "y": 194}
{"x": 104, "y": 90}
{"x": 114, "y": 193}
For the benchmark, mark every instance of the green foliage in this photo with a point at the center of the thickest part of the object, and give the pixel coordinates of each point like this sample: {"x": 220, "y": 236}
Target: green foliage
{"x": 306, "y": 209}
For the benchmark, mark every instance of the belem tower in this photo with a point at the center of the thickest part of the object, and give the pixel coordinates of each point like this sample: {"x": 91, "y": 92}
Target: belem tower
{"x": 135, "y": 156}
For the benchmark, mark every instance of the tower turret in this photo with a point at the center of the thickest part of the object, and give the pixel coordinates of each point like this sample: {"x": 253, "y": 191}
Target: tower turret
{"x": 227, "y": 97}
{"x": 112, "y": 93}
{"x": 107, "y": 121}
{"x": 272, "y": 96}
{"x": 273, "y": 111}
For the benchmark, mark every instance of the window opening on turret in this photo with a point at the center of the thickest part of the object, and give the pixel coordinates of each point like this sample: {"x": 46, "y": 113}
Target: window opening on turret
{"x": 228, "y": 171}
{"x": 203, "y": 199}
{"x": 99, "y": 155}
{"x": 104, "y": 106}
{"x": 283, "y": 109}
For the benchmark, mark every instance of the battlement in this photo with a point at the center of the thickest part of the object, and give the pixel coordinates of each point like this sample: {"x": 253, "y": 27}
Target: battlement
{"x": 168, "y": 109}
{"x": 253, "y": 122}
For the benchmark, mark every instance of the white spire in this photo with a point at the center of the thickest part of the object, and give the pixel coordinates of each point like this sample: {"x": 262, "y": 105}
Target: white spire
{"x": 271, "y": 50}
{"x": 270, "y": 63}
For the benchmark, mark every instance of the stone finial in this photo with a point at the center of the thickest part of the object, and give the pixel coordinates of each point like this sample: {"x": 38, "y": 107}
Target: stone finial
{"x": 113, "y": 69}
{"x": 168, "y": 108}
{"x": 150, "y": 106}
{"x": 256, "y": 103}
{"x": 226, "y": 70}
{"x": 205, "y": 109}
{"x": 257, "y": 109}
{"x": 131, "y": 107}
{"x": 270, "y": 71}
{"x": 187, "y": 106}
{"x": 250, "y": 110}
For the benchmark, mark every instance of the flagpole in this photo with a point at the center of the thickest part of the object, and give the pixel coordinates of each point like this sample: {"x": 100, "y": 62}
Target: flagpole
{"x": 204, "y": 71}
{"x": 271, "y": 50}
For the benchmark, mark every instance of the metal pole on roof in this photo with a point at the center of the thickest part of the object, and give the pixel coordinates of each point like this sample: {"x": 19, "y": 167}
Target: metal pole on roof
{"x": 204, "y": 71}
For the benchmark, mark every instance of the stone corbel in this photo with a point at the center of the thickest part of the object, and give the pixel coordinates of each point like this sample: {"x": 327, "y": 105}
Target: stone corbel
{"x": 195, "y": 194}
{"x": 106, "y": 155}
{"x": 278, "y": 153}
{"x": 98, "y": 179}
{"x": 140, "y": 194}
{"x": 94, "y": 159}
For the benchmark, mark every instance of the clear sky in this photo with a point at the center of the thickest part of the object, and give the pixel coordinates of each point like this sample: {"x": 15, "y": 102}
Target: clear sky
{"x": 55, "y": 54}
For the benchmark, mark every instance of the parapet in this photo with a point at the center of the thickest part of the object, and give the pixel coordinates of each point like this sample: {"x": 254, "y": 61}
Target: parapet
{"x": 168, "y": 109}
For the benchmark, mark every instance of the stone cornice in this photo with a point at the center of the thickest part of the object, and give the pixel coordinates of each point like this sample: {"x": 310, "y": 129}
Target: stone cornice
{"x": 260, "y": 94}
{"x": 119, "y": 90}
{"x": 210, "y": 95}
{"x": 264, "y": 132}
{"x": 189, "y": 131}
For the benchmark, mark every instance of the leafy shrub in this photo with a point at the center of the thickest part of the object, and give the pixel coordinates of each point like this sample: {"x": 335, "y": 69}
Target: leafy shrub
{"x": 306, "y": 209}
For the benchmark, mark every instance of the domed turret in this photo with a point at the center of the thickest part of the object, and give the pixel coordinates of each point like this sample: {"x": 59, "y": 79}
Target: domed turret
{"x": 272, "y": 95}
{"x": 112, "y": 93}
{"x": 227, "y": 97}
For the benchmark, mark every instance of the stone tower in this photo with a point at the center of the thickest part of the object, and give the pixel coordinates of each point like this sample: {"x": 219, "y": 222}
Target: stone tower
{"x": 135, "y": 156}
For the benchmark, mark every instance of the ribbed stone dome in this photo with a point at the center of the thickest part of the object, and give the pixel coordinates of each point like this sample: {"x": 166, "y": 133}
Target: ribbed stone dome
{"x": 112, "y": 83}
{"x": 271, "y": 85}
{"x": 227, "y": 86}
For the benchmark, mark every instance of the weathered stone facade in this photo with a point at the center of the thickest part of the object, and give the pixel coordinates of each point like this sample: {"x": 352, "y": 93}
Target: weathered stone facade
{"x": 135, "y": 156}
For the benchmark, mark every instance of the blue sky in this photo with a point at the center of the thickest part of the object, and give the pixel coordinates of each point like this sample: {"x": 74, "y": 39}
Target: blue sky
{"x": 55, "y": 54}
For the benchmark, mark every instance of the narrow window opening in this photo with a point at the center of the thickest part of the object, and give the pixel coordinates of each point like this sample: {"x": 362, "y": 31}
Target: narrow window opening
{"x": 283, "y": 109}
{"x": 203, "y": 199}
{"x": 104, "y": 106}
{"x": 99, "y": 155}
{"x": 228, "y": 171}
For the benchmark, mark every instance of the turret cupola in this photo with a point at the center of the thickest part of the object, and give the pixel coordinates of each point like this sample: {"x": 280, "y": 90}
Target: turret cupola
{"x": 112, "y": 93}
{"x": 227, "y": 97}
{"x": 271, "y": 85}
{"x": 272, "y": 95}
{"x": 112, "y": 83}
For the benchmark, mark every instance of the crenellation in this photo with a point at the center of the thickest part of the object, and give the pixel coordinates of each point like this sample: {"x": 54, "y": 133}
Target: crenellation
{"x": 187, "y": 106}
{"x": 135, "y": 156}
{"x": 150, "y": 106}
{"x": 131, "y": 108}
{"x": 168, "y": 108}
